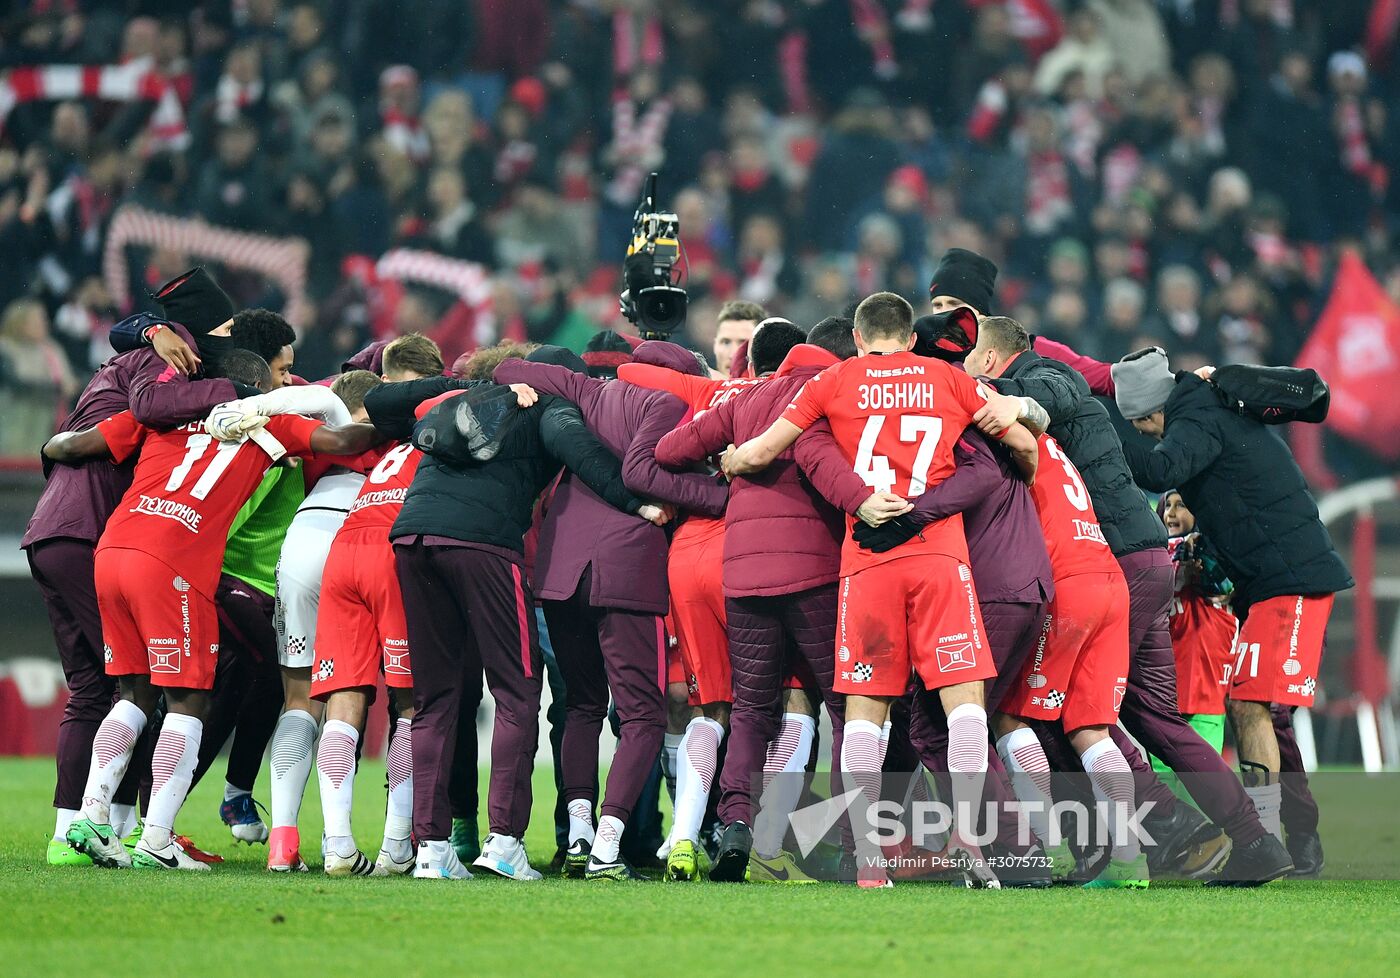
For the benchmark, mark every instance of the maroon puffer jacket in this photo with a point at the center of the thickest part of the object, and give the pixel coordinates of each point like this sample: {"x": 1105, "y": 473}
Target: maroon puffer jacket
{"x": 781, "y": 533}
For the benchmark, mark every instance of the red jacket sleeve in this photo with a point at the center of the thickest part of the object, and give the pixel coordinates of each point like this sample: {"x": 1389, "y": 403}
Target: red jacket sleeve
{"x": 827, "y": 469}
{"x": 1096, "y": 372}
{"x": 695, "y": 391}
{"x": 643, "y": 476}
{"x": 711, "y": 432}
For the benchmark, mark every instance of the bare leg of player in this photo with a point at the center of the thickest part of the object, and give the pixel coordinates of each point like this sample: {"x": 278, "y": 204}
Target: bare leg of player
{"x": 1259, "y": 760}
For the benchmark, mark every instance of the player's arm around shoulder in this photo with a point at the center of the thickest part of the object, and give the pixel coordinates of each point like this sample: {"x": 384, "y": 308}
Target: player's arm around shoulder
{"x": 76, "y": 447}
{"x": 116, "y": 438}
{"x": 317, "y": 438}
{"x": 1025, "y": 451}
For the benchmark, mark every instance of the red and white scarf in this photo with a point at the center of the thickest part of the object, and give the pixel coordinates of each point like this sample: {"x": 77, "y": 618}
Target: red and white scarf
{"x": 135, "y": 81}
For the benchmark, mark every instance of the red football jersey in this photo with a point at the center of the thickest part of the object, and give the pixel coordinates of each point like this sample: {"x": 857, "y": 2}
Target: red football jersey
{"x": 896, "y": 417}
{"x": 187, "y": 489}
{"x": 1203, "y": 640}
{"x": 381, "y": 497}
{"x": 1072, "y": 534}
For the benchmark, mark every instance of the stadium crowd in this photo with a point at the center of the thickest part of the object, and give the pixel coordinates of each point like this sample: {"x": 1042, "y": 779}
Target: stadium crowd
{"x": 718, "y": 547}
{"x": 1175, "y": 171}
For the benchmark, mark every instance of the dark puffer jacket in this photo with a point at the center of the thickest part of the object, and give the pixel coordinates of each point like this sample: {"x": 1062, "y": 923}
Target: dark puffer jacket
{"x": 1249, "y": 497}
{"x": 1081, "y": 424}
{"x": 492, "y": 502}
{"x": 781, "y": 534}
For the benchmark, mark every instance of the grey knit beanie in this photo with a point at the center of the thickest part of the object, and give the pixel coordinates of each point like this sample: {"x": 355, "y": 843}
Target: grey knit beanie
{"x": 1142, "y": 382}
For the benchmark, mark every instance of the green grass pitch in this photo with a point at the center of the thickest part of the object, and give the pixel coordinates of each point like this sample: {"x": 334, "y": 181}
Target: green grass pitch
{"x": 239, "y": 920}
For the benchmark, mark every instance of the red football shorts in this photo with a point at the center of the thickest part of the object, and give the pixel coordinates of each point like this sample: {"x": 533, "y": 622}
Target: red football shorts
{"x": 360, "y": 626}
{"x": 913, "y": 613}
{"x": 675, "y": 668}
{"x": 697, "y": 619}
{"x": 1079, "y": 671}
{"x": 1279, "y": 650}
{"x": 153, "y": 622}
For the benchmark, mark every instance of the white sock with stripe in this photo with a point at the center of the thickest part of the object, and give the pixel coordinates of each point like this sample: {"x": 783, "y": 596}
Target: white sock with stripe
{"x": 698, "y": 758}
{"x": 605, "y": 847}
{"x": 398, "y": 817}
{"x": 1112, "y": 780}
{"x": 787, "y": 763}
{"x": 293, "y": 742}
{"x": 172, "y": 772}
{"x": 111, "y": 755}
{"x": 335, "y": 770}
{"x": 580, "y": 821}
{"x": 967, "y": 762}
{"x": 1025, "y": 761}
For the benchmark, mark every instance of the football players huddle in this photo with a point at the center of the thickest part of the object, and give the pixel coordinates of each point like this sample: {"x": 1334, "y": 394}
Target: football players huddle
{"x": 930, "y": 529}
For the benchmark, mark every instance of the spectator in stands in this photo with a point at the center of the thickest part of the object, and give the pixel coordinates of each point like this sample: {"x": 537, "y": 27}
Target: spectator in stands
{"x": 36, "y": 381}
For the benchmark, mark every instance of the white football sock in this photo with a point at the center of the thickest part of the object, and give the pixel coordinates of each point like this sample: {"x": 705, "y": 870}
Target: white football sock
{"x": 172, "y": 770}
{"x": 860, "y": 768}
{"x": 1268, "y": 802}
{"x": 1029, "y": 768}
{"x": 699, "y": 755}
{"x": 1112, "y": 780}
{"x": 292, "y": 744}
{"x": 123, "y": 819}
{"x": 605, "y": 847}
{"x": 335, "y": 767}
{"x": 63, "y": 817}
{"x": 580, "y": 820}
{"x": 670, "y": 750}
{"x": 786, "y": 765}
{"x": 111, "y": 754}
{"x": 967, "y": 762}
{"x": 232, "y": 791}
{"x": 398, "y": 815}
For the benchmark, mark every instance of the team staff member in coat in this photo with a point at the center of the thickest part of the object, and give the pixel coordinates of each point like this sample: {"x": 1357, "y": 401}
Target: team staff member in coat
{"x": 459, "y": 551}
{"x": 1251, "y": 501}
{"x": 602, "y": 577}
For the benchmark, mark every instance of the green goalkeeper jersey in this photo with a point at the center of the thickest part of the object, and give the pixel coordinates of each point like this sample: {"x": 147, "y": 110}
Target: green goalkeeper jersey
{"x": 255, "y": 541}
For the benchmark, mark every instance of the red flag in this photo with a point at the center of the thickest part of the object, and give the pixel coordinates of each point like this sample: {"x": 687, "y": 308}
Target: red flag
{"x": 1355, "y": 346}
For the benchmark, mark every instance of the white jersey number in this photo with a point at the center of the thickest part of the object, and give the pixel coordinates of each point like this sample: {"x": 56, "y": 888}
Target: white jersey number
{"x": 876, "y": 470}
{"x": 390, "y": 464}
{"x": 1076, "y": 493}
{"x": 195, "y": 448}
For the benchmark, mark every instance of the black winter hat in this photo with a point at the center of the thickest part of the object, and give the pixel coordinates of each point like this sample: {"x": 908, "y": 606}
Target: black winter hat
{"x": 947, "y": 335}
{"x": 965, "y": 275}
{"x": 195, "y": 301}
{"x": 559, "y": 356}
